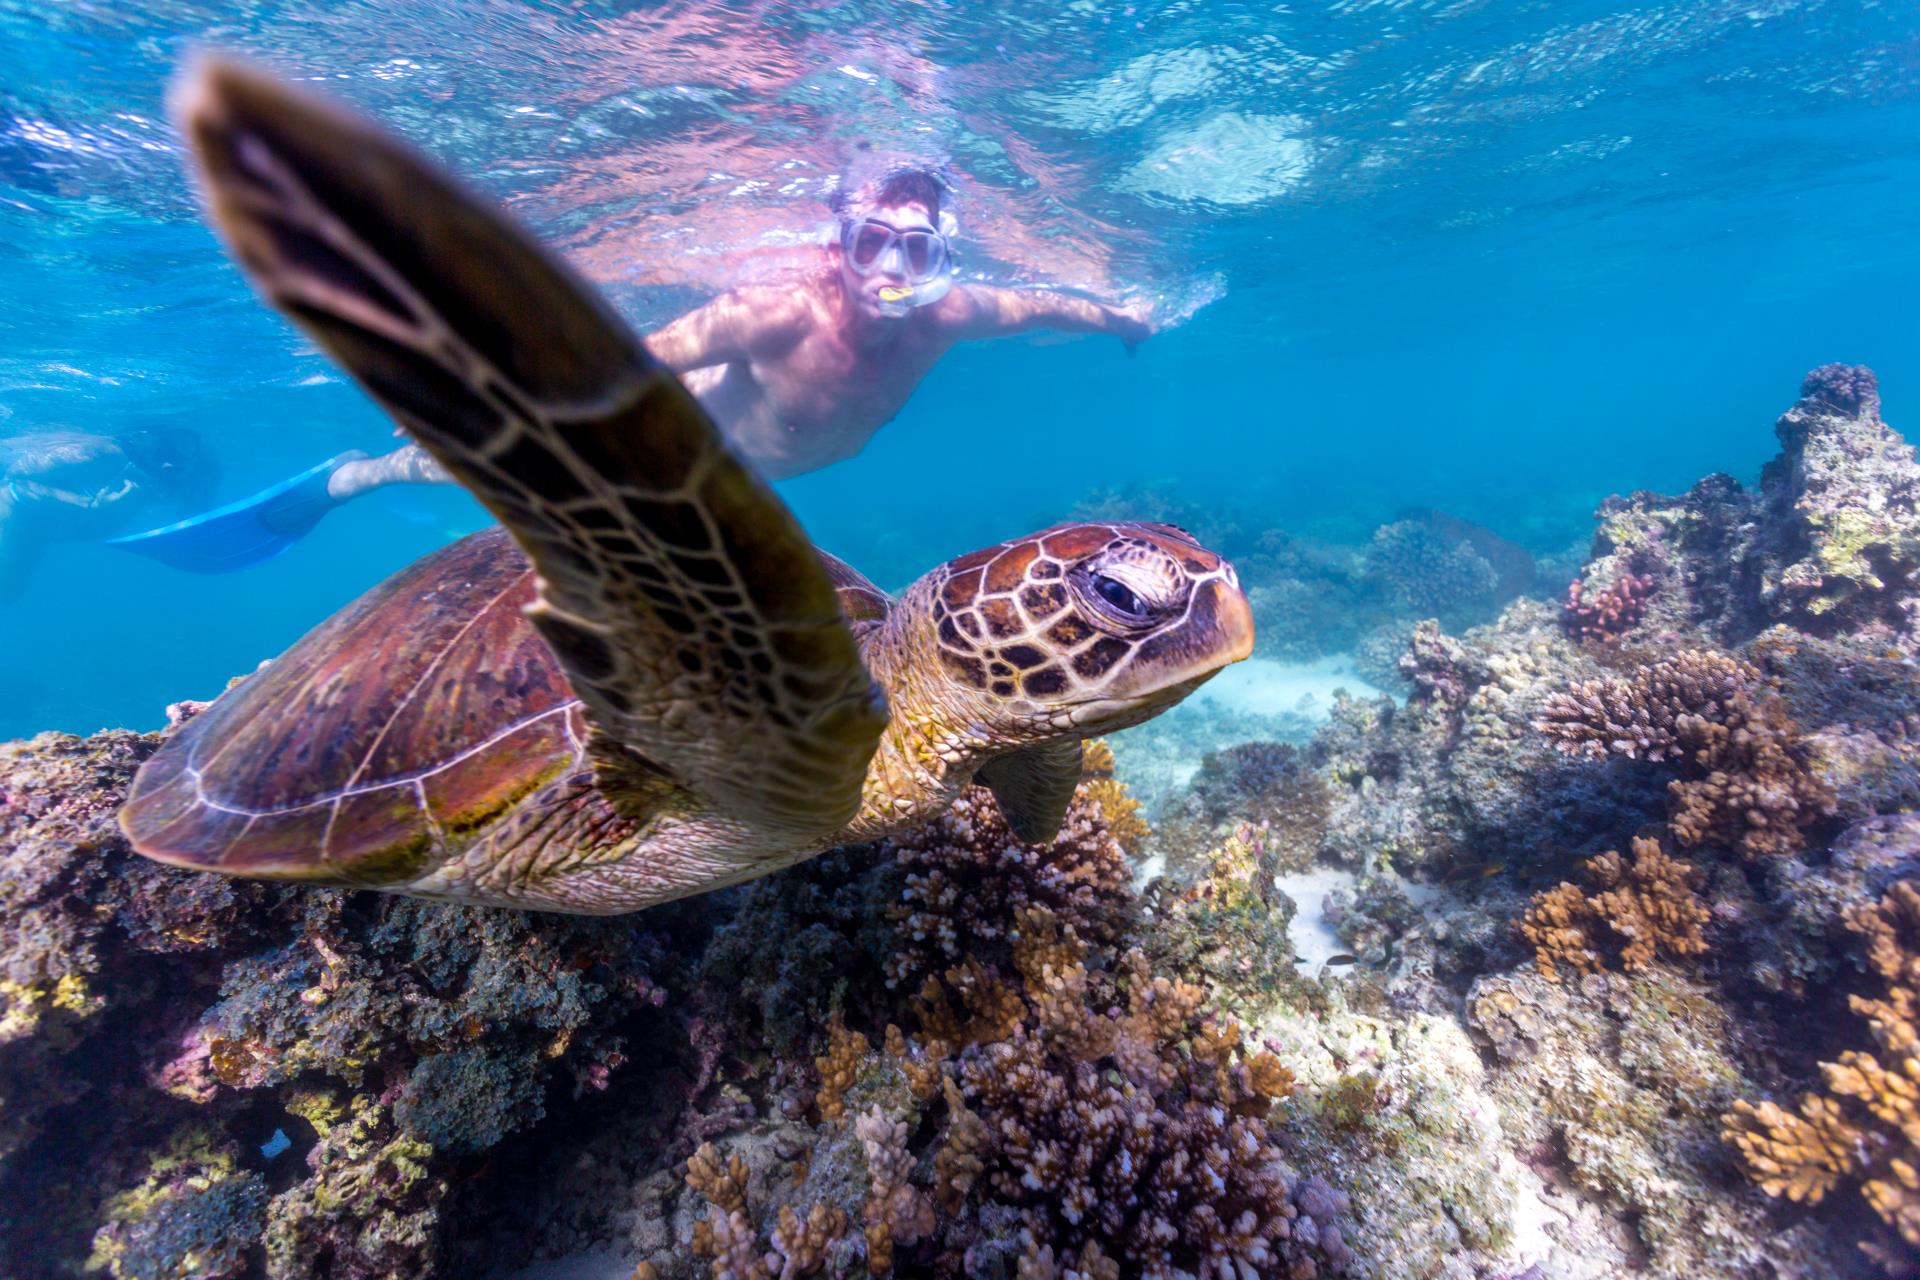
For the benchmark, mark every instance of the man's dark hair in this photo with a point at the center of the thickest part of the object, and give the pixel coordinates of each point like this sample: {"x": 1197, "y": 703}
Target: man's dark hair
{"x": 908, "y": 185}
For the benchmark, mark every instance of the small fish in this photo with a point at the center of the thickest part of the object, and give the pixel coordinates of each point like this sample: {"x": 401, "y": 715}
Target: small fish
{"x": 1342, "y": 958}
{"x": 1473, "y": 871}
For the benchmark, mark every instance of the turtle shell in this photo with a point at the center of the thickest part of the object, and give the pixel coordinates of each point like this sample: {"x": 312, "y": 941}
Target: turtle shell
{"x": 389, "y": 734}
{"x": 416, "y": 715}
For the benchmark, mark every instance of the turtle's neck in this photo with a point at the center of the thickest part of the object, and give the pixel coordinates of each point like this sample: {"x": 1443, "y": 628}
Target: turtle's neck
{"x": 930, "y": 749}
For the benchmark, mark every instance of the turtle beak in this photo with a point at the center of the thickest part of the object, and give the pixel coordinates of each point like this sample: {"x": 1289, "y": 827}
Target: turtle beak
{"x": 1234, "y": 617}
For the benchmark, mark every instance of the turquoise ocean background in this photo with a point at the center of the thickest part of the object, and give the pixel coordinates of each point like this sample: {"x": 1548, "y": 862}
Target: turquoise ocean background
{"x": 1500, "y": 259}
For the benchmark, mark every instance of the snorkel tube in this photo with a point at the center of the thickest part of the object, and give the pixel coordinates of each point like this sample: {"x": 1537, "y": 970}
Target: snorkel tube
{"x": 898, "y": 299}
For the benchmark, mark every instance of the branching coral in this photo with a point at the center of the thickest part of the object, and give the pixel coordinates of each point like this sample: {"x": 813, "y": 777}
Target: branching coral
{"x": 1609, "y": 612}
{"x": 797, "y": 1246}
{"x": 1649, "y": 908}
{"x": 967, "y": 878}
{"x": 1867, "y": 1126}
{"x": 897, "y": 1212}
{"x": 838, "y": 1067}
{"x": 1641, "y": 718}
{"x": 1108, "y": 1137}
{"x": 1744, "y": 778}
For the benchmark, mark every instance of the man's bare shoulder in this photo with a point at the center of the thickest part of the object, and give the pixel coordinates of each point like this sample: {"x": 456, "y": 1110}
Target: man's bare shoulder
{"x": 779, "y": 304}
{"x": 962, "y": 305}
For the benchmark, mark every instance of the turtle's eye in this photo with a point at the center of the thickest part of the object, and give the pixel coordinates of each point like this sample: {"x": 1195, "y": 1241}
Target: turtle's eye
{"x": 1118, "y": 594}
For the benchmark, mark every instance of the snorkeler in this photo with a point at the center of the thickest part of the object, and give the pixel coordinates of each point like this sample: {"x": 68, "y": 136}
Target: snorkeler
{"x": 801, "y": 376}
{"x": 798, "y": 375}
{"x": 70, "y": 486}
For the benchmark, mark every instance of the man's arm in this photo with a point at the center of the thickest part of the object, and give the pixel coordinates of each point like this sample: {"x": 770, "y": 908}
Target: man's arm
{"x": 986, "y": 311}
{"x": 734, "y": 326}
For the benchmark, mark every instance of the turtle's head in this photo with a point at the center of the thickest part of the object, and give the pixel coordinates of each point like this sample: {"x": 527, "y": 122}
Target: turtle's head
{"x": 1086, "y": 628}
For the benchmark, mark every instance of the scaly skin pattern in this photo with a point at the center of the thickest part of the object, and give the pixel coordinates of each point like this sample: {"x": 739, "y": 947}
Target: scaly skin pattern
{"x": 567, "y": 848}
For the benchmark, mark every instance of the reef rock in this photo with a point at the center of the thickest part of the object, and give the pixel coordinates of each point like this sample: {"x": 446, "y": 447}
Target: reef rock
{"x": 220, "y": 1078}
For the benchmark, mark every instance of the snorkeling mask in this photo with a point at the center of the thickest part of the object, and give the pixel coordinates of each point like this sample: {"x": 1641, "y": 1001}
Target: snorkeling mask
{"x": 923, "y": 255}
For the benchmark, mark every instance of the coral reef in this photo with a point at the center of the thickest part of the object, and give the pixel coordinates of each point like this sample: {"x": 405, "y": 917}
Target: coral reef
{"x": 1851, "y": 539}
{"x": 1105, "y": 1137}
{"x": 968, "y": 879}
{"x": 1609, "y": 612}
{"x": 1827, "y": 544}
{"x": 1616, "y": 1084}
{"x": 1228, "y": 929}
{"x": 1427, "y": 575}
{"x": 1866, "y": 1128}
{"x": 1647, "y": 909}
{"x": 160, "y": 1028}
{"x": 952, "y": 1055}
{"x": 1745, "y": 782}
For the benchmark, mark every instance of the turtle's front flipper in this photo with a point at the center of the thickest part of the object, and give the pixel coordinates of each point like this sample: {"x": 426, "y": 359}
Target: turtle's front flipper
{"x": 1034, "y": 788}
{"x": 691, "y": 614}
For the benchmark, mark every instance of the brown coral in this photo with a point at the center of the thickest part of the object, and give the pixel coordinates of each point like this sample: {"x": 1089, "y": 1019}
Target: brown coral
{"x": 1639, "y": 718}
{"x": 1867, "y": 1125}
{"x": 797, "y": 1246}
{"x": 1744, "y": 779}
{"x": 838, "y": 1067}
{"x": 1609, "y": 612}
{"x": 1111, "y": 1140}
{"x": 1647, "y": 909}
{"x": 1117, "y": 806}
{"x": 967, "y": 879}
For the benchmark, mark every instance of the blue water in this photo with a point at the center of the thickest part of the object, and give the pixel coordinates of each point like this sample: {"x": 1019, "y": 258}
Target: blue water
{"x": 1500, "y": 259}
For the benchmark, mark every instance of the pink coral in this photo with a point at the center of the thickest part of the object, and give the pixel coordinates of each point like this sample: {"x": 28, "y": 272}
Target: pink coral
{"x": 1609, "y": 612}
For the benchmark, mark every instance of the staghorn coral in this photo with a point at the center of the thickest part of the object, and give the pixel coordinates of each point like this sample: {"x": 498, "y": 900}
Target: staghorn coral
{"x": 1641, "y": 718}
{"x": 897, "y": 1212}
{"x": 1866, "y": 1128}
{"x": 962, "y": 1157}
{"x": 1649, "y": 908}
{"x": 967, "y": 879}
{"x": 797, "y": 1246}
{"x": 1745, "y": 781}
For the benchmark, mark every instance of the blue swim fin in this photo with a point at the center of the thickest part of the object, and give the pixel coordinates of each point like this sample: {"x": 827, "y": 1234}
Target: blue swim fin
{"x": 246, "y": 532}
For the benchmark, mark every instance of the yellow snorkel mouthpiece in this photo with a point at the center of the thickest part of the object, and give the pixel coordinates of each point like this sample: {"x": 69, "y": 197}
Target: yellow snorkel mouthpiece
{"x": 895, "y": 293}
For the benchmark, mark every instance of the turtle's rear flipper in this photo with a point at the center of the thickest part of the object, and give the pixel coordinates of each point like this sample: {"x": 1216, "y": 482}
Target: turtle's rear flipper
{"x": 245, "y": 532}
{"x": 690, "y": 613}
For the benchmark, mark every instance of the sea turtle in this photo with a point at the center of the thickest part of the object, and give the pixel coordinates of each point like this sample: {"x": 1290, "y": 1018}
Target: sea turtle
{"x": 663, "y": 688}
